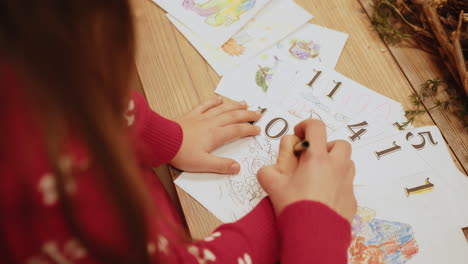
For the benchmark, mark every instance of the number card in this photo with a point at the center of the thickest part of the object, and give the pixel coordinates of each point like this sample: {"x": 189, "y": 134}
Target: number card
{"x": 347, "y": 96}
{"x": 255, "y": 78}
{"x": 386, "y": 161}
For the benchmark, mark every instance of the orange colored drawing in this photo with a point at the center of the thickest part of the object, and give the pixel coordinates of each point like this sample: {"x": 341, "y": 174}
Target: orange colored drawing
{"x": 362, "y": 254}
{"x": 233, "y": 48}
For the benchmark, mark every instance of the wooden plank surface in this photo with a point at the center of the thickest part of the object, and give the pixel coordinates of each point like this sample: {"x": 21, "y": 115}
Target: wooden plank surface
{"x": 176, "y": 78}
{"x": 419, "y": 66}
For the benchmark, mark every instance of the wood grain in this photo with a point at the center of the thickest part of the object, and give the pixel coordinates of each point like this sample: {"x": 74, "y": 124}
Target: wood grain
{"x": 419, "y": 66}
{"x": 176, "y": 78}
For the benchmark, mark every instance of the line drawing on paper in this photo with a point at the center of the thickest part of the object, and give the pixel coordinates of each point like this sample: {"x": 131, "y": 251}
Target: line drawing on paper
{"x": 306, "y": 105}
{"x": 380, "y": 241}
{"x": 219, "y": 12}
{"x": 244, "y": 189}
{"x": 304, "y": 111}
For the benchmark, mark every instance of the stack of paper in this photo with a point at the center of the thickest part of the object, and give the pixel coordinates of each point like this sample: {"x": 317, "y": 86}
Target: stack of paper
{"x": 228, "y": 33}
{"x": 412, "y": 198}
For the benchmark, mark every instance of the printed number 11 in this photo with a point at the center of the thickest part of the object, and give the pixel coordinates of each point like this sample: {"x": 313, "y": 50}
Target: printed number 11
{"x": 335, "y": 89}
{"x": 316, "y": 76}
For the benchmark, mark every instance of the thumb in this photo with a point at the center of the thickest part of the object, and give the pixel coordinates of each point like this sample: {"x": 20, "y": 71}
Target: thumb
{"x": 221, "y": 165}
{"x": 270, "y": 178}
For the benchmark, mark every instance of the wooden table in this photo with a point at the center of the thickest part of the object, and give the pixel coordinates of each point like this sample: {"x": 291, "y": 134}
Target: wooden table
{"x": 175, "y": 78}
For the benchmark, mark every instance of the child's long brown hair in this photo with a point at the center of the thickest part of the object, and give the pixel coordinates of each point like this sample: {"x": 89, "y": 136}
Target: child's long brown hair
{"x": 76, "y": 57}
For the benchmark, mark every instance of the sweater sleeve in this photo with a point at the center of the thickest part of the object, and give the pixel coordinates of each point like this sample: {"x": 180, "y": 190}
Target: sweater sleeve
{"x": 311, "y": 232}
{"x": 252, "y": 239}
{"x": 306, "y": 232}
{"x": 157, "y": 139}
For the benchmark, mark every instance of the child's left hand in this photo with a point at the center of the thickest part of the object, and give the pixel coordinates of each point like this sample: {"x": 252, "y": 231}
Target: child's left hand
{"x": 209, "y": 126}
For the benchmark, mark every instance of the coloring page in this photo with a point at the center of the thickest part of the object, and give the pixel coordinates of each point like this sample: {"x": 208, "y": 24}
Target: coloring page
{"x": 310, "y": 43}
{"x": 304, "y": 105}
{"x": 230, "y": 197}
{"x": 270, "y": 91}
{"x": 254, "y": 78}
{"x": 386, "y": 161}
{"x": 213, "y": 20}
{"x": 430, "y": 146}
{"x": 364, "y": 130}
{"x": 301, "y": 101}
{"x": 345, "y": 95}
{"x": 277, "y": 20}
{"x": 397, "y": 224}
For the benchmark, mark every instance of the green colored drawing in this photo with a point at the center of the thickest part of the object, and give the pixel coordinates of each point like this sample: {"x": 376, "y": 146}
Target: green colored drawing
{"x": 263, "y": 78}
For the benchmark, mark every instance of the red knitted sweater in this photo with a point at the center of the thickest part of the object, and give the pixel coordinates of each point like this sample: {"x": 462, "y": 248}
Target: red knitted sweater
{"x": 33, "y": 228}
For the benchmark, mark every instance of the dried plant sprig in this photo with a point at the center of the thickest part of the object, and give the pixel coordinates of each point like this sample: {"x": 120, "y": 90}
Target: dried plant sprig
{"x": 430, "y": 89}
{"x": 436, "y": 24}
{"x": 381, "y": 16}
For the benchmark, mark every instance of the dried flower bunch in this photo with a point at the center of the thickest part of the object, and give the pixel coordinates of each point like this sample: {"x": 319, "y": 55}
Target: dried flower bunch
{"x": 440, "y": 27}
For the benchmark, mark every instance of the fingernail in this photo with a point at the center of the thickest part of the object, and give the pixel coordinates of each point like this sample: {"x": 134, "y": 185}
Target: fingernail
{"x": 259, "y": 112}
{"x": 243, "y": 102}
{"x": 258, "y": 129}
{"x": 235, "y": 168}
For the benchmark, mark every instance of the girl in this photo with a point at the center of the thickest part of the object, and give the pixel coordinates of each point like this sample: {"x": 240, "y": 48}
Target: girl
{"x": 77, "y": 147}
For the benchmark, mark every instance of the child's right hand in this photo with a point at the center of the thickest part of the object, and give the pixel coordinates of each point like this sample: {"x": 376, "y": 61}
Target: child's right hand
{"x": 323, "y": 173}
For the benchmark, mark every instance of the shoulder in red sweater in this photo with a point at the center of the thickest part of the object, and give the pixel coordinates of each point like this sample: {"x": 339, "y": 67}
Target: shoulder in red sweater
{"x": 34, "y": 230}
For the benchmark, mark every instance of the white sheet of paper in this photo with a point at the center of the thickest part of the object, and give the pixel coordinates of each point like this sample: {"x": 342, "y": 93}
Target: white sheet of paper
{"x": 391, "y": 227}
{"x": 386, "y": 161}
{"x": 274, "y": 22}
{"x": 215, "y": 20}
{"x": 253, "y": 79}
{"x": 430, "y": 146}
{"x": 310, "y": 43}
{"x": 427, "y": 143}
{"x": 230, "y": 197}
{"x": 347, "y": 96}
{"x": 365, "y": 130}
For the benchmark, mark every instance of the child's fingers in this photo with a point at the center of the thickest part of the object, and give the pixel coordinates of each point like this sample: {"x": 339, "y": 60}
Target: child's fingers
{"x": 225, "y": 107}
{"x": 269, "y": 178}
{"x": 237, "y": 116}
{"x": 226, "y": 134}
{"x": 351, "y": 173}
{"x": 287, "y": 160}
{"x": 316, "y": 133}
{"x": 221, "y": 165}
{"x": 213, "y": 102}
{"x": 340, "y": 149}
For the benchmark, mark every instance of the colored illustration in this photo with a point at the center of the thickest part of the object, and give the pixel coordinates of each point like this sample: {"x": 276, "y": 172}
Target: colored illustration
{"x": 236, "y": 46}
{"x": 377, "y": 241}
{"x": 264, "y": 75}
{"x": 303, "y": 50}
{"x": 219, "y": 12}
{"x": 233, "y": 48}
